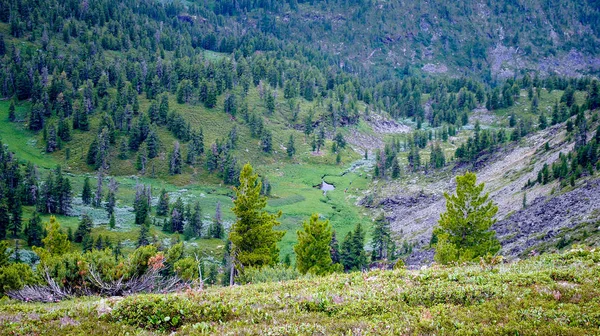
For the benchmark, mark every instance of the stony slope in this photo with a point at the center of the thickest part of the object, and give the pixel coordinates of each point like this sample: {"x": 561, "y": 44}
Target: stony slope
{"x": 414, "y": 205}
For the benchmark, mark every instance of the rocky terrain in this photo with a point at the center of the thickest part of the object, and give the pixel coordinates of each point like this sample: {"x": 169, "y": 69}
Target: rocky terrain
{"x": 414, "y": 206}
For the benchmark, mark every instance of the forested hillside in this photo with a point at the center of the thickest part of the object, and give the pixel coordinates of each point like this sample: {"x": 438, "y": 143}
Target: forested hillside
{"x": 153, "y": 146}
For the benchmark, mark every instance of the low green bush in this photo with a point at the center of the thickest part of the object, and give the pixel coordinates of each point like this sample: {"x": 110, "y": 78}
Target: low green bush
{"x": 167, "y": 312}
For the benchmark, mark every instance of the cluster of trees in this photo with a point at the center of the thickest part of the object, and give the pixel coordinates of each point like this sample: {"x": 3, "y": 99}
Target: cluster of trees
{"x": 582, "y": 160}
{"x": 19, "y": 187}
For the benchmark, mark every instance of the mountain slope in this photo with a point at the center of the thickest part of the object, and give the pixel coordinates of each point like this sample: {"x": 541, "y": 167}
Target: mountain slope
{"x": 546, "y": 295}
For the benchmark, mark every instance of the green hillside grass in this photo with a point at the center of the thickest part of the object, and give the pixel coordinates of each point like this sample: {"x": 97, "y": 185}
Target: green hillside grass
{"x": 553, "y": 294}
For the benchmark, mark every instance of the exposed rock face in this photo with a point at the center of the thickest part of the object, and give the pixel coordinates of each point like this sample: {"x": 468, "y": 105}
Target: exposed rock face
{"x": 545, "y": 217}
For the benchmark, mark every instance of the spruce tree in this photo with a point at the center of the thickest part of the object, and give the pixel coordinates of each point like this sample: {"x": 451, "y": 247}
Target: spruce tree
{"x": 381, "y": 238}
{"x": 464, "y": 229}
{"x": 252, "y": 235}
{"x": 55, "y": 242}
{"x": 216, "y": 229}
{"x": 175, "y": 160}
{"x": 86, "y": 194}
{"x": 34, "y": 230}
{"x": 11, "y": 112}
{"x": 4, "y": 218}
{"x": 144, "y": 236}
{"x": 16, "y": 217}
{"x": 162, "y": 208}
{"x": 312, "y": 250}
{"x": 84, "y": 229}
{"x": 334, "y": 249}
{"x": 291, "y": 148}
{"x": 112, "y": 223}
{"x": 352, "y": 252}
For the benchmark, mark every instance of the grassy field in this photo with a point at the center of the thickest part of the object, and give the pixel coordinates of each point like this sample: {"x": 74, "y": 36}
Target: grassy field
{"x": 553, "y": 294}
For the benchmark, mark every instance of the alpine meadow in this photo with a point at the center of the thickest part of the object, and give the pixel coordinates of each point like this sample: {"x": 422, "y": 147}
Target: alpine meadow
{"x": 299, "y": 167}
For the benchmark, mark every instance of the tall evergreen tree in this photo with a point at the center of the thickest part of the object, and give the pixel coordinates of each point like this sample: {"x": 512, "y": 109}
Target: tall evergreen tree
{"x": 381, "y": 239}
{"x": 313, "y": 254}
{"x": 34, "y": 230}
{"x": 252, "y": 236}
{"x": 216, "y": 229}
{"x": 352, "y": 252}
{"x": 464, "y": 229}
{"x": 86, "y": 194}
{"x": 175, "y": 160}
{"x": 291, "y": 148}
{"x": 11, "y": 112}
{"x": 162, "y": 208}
{"x": 334, "y": 248}
{"x": 84, "y": 228}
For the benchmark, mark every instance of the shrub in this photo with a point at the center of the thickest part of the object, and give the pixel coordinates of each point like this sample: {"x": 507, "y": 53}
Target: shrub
{"x": 268, "y": 274}
{"x": 161, "y": 312}
{"x": 15, "y": 276}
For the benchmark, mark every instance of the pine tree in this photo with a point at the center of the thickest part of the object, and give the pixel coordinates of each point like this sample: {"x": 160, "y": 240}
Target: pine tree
{"x": 87, "y": 244}
{"x": 195, "y": 221}
{"x": 112, "y": 223}
{"x": 395, "y": 168}
{"x": 56, "y": 242}
{"x": 98, "y": 195}
{"x": 266, "y": 142}
{"x": 464, "y": 229}
{"x": 84, "y": 229}
{"x": 175, "y": 160}
{"x": 86, "y": 194}
{"x": 4, "y": 218}
{"x": 320, "y": 141}
{"x": 381, "y": 238}
{"x": 334, "y": 249}
{"x": 16, "y": 218}
{"x": 195, "y": 147}
{"x": 123, "y": 150}
{"x": 312, "y": 250}
{"x": 216, "y": 229}
{"x": 111, "y": 198}
{"x": 11, "y": 112}
{"x": 34, "y": 230}
{"x": 51, "y": 140}
{"x": 291, "y": 149}
{"x": 36, "y": 117}
{"x": 252, "y": 235}
{"x": 143, "y": 238}
{"x": 352, "y": 252}
{"x": 162, "y": 209}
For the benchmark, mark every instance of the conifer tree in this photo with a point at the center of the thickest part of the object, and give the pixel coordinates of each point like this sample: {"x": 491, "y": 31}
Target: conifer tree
{"x": 334, "y": 248}
{"x": 4, "y": 218}
{"x": 312, "y": 250}
{"x": 34, "y": 230}
{"x": 175, "y": 160}
{"x": 381, "y": 238}
{"x": 216, "y": 229}
{"x": 144, "y": 236}
{"x": 11, "y": 112}
{"x": 86, "y": 194}
{"x": 252, "y": 235}
{"x": 55, "y": 242}
{"x": 112, "y": 222}
{"x": 352, "y": 252}
{"x": 464, "y": 229}
{"x": 16, "y": 216}
{"x": 98, "y": 194}
{"x": 162, "y": 208}
{"x": 291, "y": 148}
{"x": 84, "y": 229}
{"x": 266, "y": 141}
